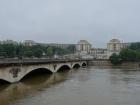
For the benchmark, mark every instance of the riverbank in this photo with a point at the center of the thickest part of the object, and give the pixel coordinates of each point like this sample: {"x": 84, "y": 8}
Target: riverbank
{"x": 108, "y": 63}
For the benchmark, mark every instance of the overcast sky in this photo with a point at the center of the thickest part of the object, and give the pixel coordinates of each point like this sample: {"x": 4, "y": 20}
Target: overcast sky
{"x": 67, "y": 21}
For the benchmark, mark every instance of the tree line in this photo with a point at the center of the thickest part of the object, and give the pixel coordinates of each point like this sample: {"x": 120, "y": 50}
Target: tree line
{"x": 132, "y": 53}
{"x": 38, "y": 51}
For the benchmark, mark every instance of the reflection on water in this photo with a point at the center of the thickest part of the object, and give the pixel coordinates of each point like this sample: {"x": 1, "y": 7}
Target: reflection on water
{"x": 84, "y": 86}
{"x": 30, "y": 85}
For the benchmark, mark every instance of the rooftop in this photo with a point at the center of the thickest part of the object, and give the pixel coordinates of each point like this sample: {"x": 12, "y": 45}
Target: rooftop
{"x": 83, "y": 42}
{"x": 115, "y": 41}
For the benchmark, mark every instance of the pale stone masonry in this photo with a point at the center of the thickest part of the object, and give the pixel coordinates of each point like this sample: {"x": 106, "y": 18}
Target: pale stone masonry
{"x": 83, "y": 48}
{"x": 98, "y": 53}
{"x": 115, "y": 46}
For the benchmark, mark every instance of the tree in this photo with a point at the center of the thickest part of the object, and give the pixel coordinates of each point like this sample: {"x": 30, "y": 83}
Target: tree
{"x": 38, "y": 53}
{"x": 138, "y": 55}
{"x": 135, "y": 46}
{"x": 10, "y": 50}
{"x": 115, "y": 59}
{"x": 28, "y": 54}
{"x": 71, "y": 49}
{"x": 128, "y": 54}
{"x": 19, "y": 50}
{"x": 50, "y": 51}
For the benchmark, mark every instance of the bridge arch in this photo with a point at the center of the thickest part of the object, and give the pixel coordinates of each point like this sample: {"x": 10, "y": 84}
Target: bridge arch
{"x": 76, "y": 65}
{"x": 63, "y": 68}
{"x": 84, "y": 64}
{"x": 35, "y": 71}
{"x": 4, "y": 81}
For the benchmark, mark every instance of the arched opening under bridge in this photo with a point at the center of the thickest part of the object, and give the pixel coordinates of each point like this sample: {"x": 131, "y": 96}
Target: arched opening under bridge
{"x": 63, "y": 68}
{"x": 84, "y": 64}
{"x": 76, "y": 66}
{"x": 4, "y": 82}
{"x": 37, "y": 73}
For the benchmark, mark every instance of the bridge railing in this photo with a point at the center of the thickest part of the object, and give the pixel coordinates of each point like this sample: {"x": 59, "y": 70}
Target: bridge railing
{"x": 29, "y": 61}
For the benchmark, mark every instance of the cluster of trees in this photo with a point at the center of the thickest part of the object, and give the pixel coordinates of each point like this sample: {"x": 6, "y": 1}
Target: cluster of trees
{"x": 132, "y": 53}
{"x": 115, "y": 59}
{"x": 19, "y": 51}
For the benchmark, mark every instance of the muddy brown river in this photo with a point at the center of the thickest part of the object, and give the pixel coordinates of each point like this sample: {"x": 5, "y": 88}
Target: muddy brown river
{"x": 83, "y": 86}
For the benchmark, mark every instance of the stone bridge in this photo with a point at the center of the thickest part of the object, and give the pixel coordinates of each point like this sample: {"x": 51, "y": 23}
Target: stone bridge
{"x": 14, "y": 70}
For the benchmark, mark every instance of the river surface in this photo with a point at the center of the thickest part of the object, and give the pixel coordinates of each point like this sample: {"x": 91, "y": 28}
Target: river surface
{"x": 83, "y": 86}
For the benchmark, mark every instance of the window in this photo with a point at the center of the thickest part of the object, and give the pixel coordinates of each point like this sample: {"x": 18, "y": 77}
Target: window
{"x": 114, "y": 47}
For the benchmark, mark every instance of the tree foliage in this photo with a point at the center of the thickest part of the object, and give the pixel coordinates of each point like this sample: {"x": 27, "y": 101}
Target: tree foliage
{"x": 19, "y": 50}
{"x": 50, "y": 51}
{"x": 129, "y": 54}
{"x": 135, "y": 46}
{"x": 115, "y": 59}
{"x": 132, "y": 53}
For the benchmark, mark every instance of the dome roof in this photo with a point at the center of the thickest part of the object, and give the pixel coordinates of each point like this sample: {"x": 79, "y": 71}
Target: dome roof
{"x": 83, "y": 42}
{"x": 115, "y": 41}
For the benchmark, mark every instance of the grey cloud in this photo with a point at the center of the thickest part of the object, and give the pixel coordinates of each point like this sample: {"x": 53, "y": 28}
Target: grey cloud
{"x": 67, "y": 21}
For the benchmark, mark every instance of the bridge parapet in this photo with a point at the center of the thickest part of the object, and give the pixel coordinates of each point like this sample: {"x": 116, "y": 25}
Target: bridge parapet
{"x": 6, "y": 62}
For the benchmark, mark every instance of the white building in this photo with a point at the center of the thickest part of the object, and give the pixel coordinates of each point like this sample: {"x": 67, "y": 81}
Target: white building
{"x": 83, "y": 47}
{"x": 99, "y": 53}
{"x": 115, "y": 46}
{"x": 29, "y": 43}
{"x": 58, "y": 45}
{"x": 8, "y": 42}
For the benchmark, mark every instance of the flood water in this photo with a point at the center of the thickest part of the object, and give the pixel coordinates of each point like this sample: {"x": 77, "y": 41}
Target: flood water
{"x": 84, "y": 86}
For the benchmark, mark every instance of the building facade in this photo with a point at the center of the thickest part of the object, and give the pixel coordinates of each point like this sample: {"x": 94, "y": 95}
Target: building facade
{"x": 83, "y": 47}
{"x": 59, "y": 45}
{"x": 115, "y": 46}
{"x": 98, "y": 53}
{"x": 8, "y": 42}
{"x": 29, "y": 43}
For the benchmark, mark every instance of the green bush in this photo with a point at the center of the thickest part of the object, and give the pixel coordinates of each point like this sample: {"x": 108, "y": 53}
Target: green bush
{"x": 115, "y": 59}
